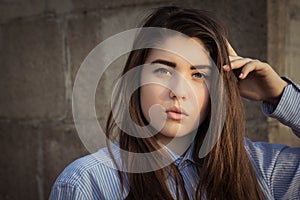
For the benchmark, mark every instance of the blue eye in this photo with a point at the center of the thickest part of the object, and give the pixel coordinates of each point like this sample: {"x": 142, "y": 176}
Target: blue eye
{"x": 162, "y": 71}
{"x": 198, "y": 75}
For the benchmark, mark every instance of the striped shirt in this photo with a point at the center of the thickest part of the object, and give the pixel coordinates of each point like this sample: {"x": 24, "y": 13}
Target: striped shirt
{"x": 277, "y": 166}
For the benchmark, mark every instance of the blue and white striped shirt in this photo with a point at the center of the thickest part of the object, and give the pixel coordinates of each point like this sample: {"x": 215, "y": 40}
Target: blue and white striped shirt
{"x": 277, "y": 166}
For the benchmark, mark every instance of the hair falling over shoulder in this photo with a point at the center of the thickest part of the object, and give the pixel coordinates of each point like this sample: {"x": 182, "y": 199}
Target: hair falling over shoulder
{"x": 226, "y": 172}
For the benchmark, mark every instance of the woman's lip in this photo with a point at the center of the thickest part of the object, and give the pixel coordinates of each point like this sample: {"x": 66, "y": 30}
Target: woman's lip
{"x": 177, "y": 110}
{"x": 175, "y": 115}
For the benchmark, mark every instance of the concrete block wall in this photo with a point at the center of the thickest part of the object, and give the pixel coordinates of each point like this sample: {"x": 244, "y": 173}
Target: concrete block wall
{"x": 32, "y": 69}
{"x": 43, "y": 43}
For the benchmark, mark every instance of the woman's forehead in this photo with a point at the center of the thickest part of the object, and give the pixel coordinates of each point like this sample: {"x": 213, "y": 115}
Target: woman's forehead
{"x": 191, "y": 50}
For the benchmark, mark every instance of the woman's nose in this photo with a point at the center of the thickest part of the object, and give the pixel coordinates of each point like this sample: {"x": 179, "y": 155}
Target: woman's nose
{"x": 179, "y": 87}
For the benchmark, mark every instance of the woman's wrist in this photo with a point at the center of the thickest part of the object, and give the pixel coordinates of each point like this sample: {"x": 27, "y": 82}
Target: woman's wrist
{"x": 275, "y": 99}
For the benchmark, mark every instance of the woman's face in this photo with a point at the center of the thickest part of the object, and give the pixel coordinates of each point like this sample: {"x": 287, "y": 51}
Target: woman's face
{"x": 175, "y": 82}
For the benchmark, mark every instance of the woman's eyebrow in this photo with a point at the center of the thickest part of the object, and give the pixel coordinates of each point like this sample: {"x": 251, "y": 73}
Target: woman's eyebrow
{"x": 164, "y": 62}
{"x": 173, "y": 65}
{"x": 200, "y": 67}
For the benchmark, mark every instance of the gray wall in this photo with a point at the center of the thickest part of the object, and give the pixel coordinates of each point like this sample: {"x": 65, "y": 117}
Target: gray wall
{"x": 43, "y": 43}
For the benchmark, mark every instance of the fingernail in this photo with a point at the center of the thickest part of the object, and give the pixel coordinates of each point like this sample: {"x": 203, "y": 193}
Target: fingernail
{"x": 241, "y": 75}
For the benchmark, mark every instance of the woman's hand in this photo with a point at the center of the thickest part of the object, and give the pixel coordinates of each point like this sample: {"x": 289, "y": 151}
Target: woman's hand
{"x": 257, "y": 80}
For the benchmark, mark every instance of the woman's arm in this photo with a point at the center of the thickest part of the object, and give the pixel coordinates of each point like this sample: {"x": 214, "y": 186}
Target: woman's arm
{"x": 287, "y": 109}
{"x": 258, "y": 81}
{"x": 277, "y": 166}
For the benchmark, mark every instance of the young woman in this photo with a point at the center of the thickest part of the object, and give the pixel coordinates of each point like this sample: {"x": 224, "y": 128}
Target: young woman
{"x": 189, "y": 122}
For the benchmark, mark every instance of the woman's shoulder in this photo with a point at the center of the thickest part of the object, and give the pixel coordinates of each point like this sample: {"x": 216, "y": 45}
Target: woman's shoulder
{"x": 269, "y": 152}
{"x": 86, "y": 165}
{"x": 266, "y": 155}
{"x": 95, "y": 173}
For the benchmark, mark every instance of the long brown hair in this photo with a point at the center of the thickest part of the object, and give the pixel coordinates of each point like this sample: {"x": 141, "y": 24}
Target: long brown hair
{"x": 226, "y": 172}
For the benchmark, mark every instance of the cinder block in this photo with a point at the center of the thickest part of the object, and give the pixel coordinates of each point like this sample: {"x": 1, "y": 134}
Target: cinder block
{"x": 82, "y": 36}
{"x": 248, "y": 29}
{"x": 20, "y": 8}
{"x": 21, "y": 177}
{"x": 57, "y": 6}
{"x": 256, "y": 121}
{"x": 281, "y": 134}
{"x": 293, "y": 47}
{"x": 32, "y": 70}
{"x": 92, "y": 5}
{"x": 117, "y": 20}
{"x": 257, "y": 130}
{"x": 253, "y": 111}
{"x": 33, "y": 156}
{"x": 61, "y": 146}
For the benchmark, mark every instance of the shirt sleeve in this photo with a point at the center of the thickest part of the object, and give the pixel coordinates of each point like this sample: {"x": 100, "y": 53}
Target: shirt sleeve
{"x": 287, "y": 110}
{"x": 278, "y": 166}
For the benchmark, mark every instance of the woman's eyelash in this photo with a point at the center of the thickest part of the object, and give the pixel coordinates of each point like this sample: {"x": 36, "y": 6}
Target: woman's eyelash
{"x": 199, "y": 75}
{"x": 162, "y": 71}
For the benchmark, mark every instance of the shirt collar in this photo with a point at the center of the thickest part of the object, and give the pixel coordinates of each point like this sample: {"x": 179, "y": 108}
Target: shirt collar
{"x": 188, "y": 156}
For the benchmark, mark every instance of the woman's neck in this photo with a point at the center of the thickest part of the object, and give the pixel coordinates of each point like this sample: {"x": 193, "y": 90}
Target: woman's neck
{"x": 178, "y": 145}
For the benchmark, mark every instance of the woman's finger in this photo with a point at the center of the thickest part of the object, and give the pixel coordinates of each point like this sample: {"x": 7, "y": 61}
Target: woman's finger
{"x": 254, "y": 65}
{"x": 231, "y": 58}
{"x": 231, "y": 51}
{"x": 247, "y": 68}
{"x": 238, "y": 63}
